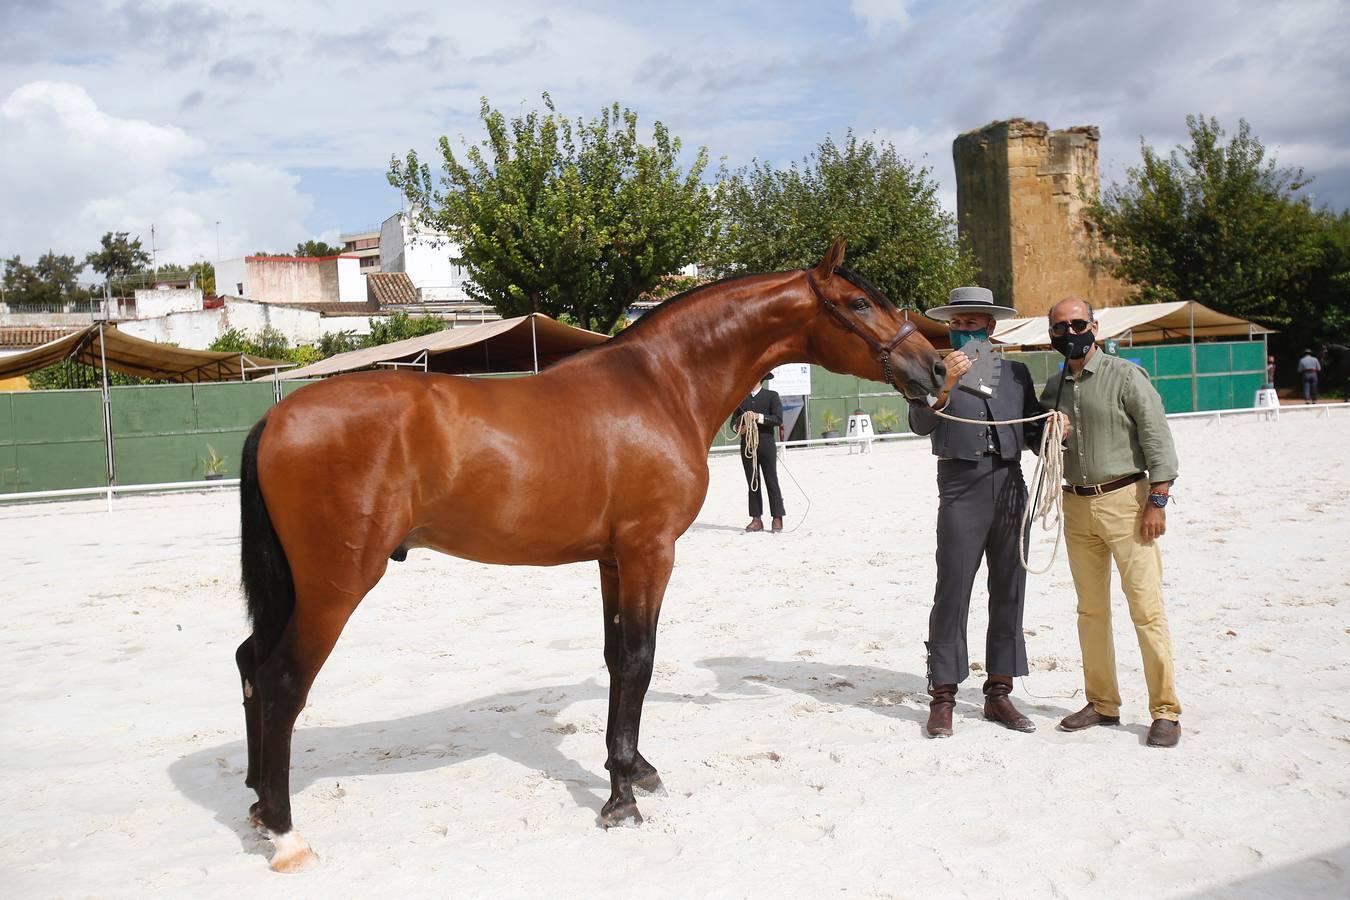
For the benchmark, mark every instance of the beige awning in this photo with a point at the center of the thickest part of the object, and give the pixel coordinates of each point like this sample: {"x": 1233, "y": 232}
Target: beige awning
{"x": 508, "y": 345}
{"x": 134, "y": 356}
{"x": 1143, "y": 324}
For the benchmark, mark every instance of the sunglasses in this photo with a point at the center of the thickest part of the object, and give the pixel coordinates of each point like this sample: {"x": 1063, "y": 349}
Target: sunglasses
{"x": 1059, "y": 329}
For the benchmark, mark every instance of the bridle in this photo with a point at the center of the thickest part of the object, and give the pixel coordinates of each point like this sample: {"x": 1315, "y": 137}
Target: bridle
{"x": 883, "y": 351}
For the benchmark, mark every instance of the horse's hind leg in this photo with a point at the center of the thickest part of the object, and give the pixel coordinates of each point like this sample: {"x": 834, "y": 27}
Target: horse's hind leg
{"x": 246, "y": 659}
{"x": 645, "y": 776}
{"x": 284, "y": 680}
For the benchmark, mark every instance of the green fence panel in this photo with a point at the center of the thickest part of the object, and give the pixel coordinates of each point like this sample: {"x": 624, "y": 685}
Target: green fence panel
{"x": 57, "y": 440}
{"x": 1214, "y": 392}
{"x": 1143, "y": 357}
{"x": 1213, "y": 359}
{"x": 290, "y": 387}
{"x": 154, "y": 459}
{"x": 1175, "y": 360}
{"x": 1175, "y": 393}
{"x": 1249, "y": 356}
{"x": 1245, "y": 387}
{"x": 230, "y": 406}
{"x": 163, "y": 409}
{"x": 9, "y": 466}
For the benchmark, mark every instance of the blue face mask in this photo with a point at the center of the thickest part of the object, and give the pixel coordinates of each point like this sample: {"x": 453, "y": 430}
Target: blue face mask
{"x": 961, "y": 338}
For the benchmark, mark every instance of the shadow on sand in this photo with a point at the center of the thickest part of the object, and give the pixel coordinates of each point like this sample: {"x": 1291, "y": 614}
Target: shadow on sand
{"x": 213, "y": 777}
{"x": 900, "y": 695}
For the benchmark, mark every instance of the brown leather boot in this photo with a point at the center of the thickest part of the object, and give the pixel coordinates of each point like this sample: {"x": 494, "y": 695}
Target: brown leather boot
{"x": 998, "y": 707}
{"x": 777, "y": 524}
{"x": 940, "y": 710}
{"x": 756, "y": 524}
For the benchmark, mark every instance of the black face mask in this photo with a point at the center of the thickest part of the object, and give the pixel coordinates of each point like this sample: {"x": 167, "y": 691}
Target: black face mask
{"x": 1073, "y": 346}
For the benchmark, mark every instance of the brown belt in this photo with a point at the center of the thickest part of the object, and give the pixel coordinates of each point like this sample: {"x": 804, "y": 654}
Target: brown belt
{"x": 1092, "y": 490}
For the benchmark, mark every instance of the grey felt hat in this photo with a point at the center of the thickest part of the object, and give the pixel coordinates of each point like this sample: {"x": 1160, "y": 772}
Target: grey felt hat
{"x": 971, "y": 300}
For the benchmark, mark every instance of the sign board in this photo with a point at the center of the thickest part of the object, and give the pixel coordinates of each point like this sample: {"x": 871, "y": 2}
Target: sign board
{"x": 793, "y": 379}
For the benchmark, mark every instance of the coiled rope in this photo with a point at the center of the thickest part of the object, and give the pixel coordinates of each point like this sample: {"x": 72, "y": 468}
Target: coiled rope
{"x": 1046, "y": 502}
{"x": 749, "y": 429}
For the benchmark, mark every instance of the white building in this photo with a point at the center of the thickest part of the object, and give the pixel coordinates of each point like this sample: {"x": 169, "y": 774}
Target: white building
{"x": 292, "y": 279}
{"x": 425, "y": 256}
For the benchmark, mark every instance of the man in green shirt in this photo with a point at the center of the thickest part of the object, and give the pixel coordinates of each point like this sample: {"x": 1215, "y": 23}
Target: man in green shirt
{"x": 1119, "y": 463}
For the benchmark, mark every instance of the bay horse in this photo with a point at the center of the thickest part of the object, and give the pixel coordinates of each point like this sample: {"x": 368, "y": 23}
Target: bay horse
{"x": 603, "y": 456}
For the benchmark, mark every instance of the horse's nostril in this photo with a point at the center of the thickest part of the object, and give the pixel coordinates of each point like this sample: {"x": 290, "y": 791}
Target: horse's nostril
{"x": 939, "y": 370}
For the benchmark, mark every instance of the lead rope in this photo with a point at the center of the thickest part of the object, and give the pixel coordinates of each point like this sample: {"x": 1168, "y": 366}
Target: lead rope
{"x": 1047, "y": 501}
{"x": 749, "y": 428}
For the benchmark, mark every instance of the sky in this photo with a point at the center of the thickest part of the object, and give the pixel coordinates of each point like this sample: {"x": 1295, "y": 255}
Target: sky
{"x": 235, "y": 126}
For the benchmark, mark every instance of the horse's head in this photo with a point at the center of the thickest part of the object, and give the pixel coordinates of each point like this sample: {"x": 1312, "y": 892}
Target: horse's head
{"x": 861, "y": 332}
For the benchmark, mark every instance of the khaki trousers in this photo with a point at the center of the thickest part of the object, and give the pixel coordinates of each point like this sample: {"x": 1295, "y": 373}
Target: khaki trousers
{"x": 1097, "y": 530}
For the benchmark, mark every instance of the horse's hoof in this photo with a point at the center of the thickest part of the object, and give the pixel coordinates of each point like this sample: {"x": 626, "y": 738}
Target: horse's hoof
{"x": 293, "y": 854}
{"x": 650, "y": 784}
{"x": 620, "y": 815}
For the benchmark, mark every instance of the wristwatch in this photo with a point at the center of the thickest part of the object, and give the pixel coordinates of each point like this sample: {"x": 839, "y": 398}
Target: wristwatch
{"x": 1158, "y": 500}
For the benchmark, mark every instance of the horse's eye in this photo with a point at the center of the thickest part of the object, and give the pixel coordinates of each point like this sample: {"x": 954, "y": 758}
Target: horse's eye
{"x": 861, "y": 304}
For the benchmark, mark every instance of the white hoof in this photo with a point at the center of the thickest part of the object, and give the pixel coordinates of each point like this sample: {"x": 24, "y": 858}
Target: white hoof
{"x": 293, "y": 853}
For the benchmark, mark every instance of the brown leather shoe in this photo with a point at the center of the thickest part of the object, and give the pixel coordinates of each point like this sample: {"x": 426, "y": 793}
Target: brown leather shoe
{"x": 1164, "y": 733}
{"x": 998, "y": 706}
{"x": 777, "y": 524}
{"x": 1086, "y": 718}
{"x": 940, "y": 710}
{"x": 756, "y": 524}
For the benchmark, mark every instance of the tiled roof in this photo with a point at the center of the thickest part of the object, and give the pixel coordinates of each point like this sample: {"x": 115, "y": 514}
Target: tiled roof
{"x": 391, "y": 289}
{"x": 26, "y": 337}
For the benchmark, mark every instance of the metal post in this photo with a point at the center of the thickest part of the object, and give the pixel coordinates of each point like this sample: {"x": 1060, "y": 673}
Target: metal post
{"x": 107, "y": 416}
{"x": 1195, "y": 392}
{"x": 534, "y": 341}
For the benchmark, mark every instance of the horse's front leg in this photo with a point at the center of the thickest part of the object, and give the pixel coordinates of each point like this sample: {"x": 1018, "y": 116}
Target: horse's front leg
{"x": 645, "y": 776}
{"x": 644, "y": 572}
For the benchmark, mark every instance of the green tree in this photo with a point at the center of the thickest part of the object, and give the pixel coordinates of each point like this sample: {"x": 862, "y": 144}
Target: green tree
{"x": 316, "y": 248}
{"x": 201, "y": 272}
{"x": 335, "y": 342}
{"x": 557, "y": 216}
{"x": 401, "y": 326}
{"x": 119, "y": 255}
{"x": 885, "y": 207}
{"x": 52, "y": 279}
{"x": 1216, "y": 222}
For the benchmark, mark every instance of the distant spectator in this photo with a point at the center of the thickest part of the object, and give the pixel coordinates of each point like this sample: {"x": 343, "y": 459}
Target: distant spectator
{"x": 1309, "y": 368}
{"x": 1270, "y": 373}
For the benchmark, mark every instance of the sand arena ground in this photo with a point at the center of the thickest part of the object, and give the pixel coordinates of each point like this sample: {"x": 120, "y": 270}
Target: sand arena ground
{"x": 453, "y": 744}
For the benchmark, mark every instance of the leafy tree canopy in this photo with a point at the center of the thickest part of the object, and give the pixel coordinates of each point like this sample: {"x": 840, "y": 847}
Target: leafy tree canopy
{"x": 885, "y": 207}
{"x": 51, "y": 280}
{"x": 1216, "y": 222}
{"x": 118, "y": 255}
{"x": 316, "y": 248}
{"x": 561, "y": 216}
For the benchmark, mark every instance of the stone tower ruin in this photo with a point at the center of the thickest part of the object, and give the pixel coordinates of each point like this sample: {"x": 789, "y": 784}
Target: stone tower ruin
{"x": 1019, "y": 190}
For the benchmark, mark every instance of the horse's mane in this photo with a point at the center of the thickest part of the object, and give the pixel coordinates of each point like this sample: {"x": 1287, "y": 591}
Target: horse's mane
{"x": 656, "y": 311}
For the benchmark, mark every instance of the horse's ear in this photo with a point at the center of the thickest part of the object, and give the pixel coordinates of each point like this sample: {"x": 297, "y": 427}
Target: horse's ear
{"x": 834, "y": 257}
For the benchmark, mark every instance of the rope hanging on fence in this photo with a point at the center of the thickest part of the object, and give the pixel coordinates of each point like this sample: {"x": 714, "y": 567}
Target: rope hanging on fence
{"x": 1046, "y": 501}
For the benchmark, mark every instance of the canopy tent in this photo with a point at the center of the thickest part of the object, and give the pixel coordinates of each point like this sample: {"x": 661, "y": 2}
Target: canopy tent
{"x": 523, "y": 344}
{"x": 1146, "y": 323}
{"x": 101, "y": 344}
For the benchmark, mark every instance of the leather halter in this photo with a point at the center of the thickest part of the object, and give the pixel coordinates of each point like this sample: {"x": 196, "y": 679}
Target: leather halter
{"x": 883, "y": 351}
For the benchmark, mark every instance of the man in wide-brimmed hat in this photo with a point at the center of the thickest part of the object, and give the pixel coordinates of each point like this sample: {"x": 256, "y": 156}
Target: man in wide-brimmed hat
{"x": 981, "y": 500}
{"x": 767, "y": 409}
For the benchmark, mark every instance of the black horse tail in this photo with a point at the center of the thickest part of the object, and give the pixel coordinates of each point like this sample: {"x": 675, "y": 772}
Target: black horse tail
{"x": 268, "y": 588}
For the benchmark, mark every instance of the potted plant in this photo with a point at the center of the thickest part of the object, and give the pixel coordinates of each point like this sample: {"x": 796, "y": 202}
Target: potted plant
{"x": 885, "y": 420}
{"x": 831, "y": 423}
{"x": 213, "y": 464}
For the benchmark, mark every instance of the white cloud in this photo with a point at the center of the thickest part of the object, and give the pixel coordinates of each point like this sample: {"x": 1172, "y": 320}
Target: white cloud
{"x": 70, "y": 172}
{"x": 880, "y": 14}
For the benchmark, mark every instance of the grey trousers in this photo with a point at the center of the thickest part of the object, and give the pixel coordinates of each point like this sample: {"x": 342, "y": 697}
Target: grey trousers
{"x": 979, "y": 517}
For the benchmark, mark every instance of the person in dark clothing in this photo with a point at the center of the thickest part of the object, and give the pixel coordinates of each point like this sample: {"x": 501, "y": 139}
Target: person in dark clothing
{"x": 982, "y": 497}
{"x": 768, "y": 410}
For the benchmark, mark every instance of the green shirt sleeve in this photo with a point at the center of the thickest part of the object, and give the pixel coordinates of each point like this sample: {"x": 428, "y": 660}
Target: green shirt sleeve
{"x": 1145, "y": 408}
